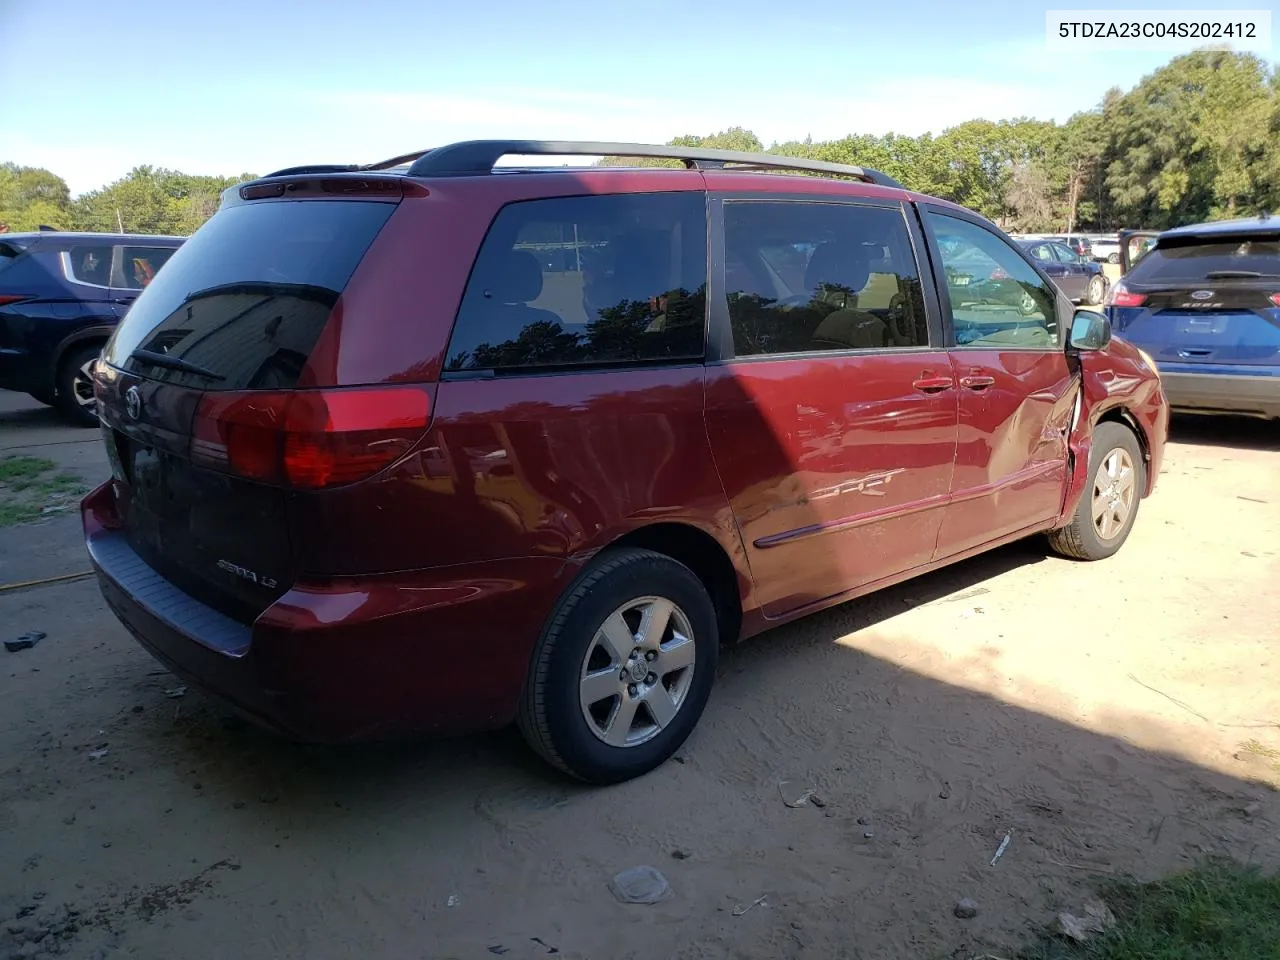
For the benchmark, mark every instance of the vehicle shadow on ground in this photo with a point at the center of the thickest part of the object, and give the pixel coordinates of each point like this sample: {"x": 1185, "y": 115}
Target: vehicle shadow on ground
{"x": 26, "y": 424}
{"x": 18, "y": 412}
{"x": 773, "y": 675}
{"x": 919, "y": 778}
{"x": 332, "y": 765}
{"x": 1241, "y": 433}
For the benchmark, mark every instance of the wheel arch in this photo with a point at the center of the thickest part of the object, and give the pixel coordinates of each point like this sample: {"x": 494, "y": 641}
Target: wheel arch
{"x": 84, "y": 337}
{"x": 1122, "y": 415}
{"x": 705, "y": 556}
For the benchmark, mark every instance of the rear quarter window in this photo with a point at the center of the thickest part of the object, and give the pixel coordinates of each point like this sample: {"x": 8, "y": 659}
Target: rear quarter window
{"x": 88, "y": 263}
{"x": 1179, "y": 260}
{"x": 245, "y": 298}
{"x": 586, "y": 281}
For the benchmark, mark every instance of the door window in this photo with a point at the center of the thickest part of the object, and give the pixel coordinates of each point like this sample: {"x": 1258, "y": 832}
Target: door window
{"x": 997, "y": 298}
{"x": 139, "y": 264}
{"x": 805, "y": 276}
{"x": 1065, "y": 254}
{"x": 587, "y": 282}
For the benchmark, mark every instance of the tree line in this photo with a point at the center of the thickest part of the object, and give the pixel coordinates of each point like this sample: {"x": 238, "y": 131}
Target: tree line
{"x": 1198, "y": 139}
{"x": 147, "y": 200}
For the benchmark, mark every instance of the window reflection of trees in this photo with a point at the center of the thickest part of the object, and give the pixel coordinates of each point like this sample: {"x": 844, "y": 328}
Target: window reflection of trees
{"x": 668, "y": 326}
{"x": 762, "y": 326}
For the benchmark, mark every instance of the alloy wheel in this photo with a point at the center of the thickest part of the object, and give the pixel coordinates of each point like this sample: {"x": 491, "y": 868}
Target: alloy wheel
{"x": 82, "y": 384}
{"x": 637, "y": 671}
{"x": 1114, "y": 490}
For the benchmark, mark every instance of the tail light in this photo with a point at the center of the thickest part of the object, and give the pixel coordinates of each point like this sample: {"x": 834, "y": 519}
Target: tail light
{"x": 308, "y": 439}
{"x": 1275, "y": 298}
{"x": 1122, "y": 296}
{"x": 8, "y": 298}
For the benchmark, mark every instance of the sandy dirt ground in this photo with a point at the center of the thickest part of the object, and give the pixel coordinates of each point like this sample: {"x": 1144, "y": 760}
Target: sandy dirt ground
{"x": 1110, "y": 718}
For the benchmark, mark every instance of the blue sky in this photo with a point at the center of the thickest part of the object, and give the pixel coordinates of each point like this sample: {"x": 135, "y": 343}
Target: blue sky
{"x": 92, "y": 90}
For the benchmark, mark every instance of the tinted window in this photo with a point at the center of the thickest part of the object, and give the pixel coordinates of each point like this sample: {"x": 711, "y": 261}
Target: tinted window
{"x": 247, "y": 296}
{"x": 997, "y": 298}
{"x": 139, "y": 264}
{"x": 804, "y": 276}
{"x": 89, "y": 263}
{"x": 1238, "y": 256}
{"x": 587, "y": 281}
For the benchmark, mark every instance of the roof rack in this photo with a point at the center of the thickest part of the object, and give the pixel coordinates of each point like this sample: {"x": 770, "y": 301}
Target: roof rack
{"x": 473, "y": 157}
{"x": 479, "y": 157}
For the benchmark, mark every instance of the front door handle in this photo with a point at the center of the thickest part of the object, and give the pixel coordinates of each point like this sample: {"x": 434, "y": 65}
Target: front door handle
{"x": 932, "y": 384}
{"x": 977, "y": 381}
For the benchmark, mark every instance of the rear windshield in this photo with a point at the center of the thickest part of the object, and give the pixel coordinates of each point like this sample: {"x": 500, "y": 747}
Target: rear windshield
{"x": 243, "y": 301}
{"x": 1195, "y": 261}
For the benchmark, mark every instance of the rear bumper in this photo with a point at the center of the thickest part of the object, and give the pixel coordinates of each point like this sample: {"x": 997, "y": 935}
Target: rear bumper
{"x": 371, "y": 658}
{"x": 1223, "y": 393}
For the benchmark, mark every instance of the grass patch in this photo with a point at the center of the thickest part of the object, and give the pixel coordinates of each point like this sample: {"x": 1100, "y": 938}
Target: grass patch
{"x": 1220, "y": 911}
{"x": 1255, "y": 749}
{"x": 16, "y": 471}
{"x": 32, "y": 486}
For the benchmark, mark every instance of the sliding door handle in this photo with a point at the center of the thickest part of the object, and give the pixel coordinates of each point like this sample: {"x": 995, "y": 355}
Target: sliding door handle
{"x": 929, "y": 384}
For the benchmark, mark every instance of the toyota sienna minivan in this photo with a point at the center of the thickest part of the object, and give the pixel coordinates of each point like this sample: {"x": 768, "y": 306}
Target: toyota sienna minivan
{"x": 440, "y": 444}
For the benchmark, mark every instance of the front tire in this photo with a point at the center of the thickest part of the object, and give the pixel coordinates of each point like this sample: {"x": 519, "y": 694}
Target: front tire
{"x": 623, "y": 669}
{"x": 1107, "y": 510}
{"x": 75, "y": 386}
{"x": 1096, "y": 291}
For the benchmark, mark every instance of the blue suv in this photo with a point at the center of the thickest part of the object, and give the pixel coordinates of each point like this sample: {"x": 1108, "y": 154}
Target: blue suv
{"x": 1204, "y": 302}
{"x": 61, "y": 295}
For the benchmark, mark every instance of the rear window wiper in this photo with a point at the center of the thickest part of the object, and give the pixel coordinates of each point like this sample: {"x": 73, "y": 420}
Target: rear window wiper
{"x": 1241, "y": 275}
{"x": 174, "y": 363}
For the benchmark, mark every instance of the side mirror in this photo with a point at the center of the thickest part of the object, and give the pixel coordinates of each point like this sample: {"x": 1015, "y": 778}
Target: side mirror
{"x": 1090, "y": 330}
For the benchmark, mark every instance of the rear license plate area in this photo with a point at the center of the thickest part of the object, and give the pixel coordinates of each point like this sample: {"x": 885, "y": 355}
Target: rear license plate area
{"x": 1208, "y": 325}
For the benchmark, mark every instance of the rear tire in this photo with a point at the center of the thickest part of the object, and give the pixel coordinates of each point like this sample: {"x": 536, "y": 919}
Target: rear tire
{"x": 623, "y": 669}
{"x": 1113, "y": 258}
{"x": 1109, "y": 506}
{"x": 1096, "y": 291}
{"x": 75, "y": 386}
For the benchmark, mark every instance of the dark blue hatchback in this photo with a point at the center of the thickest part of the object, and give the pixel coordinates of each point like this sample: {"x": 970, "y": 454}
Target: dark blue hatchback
{"x": 1204, "y": 303}
{"x": 61, "y": 295}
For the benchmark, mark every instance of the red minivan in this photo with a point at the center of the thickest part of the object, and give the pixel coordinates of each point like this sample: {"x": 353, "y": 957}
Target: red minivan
{"x": 438, "y": 444}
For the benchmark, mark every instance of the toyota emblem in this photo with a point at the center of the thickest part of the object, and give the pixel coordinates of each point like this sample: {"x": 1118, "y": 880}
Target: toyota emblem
{"x": 1202, "y": 295}
{"x": 133, "y": 403}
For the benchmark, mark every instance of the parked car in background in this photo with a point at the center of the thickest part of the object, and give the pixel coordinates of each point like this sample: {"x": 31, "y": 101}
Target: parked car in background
{"x": 1105, "y": 248}
{"x": 428, "y": 445}
{"x": 61, "y": 295}
{"x": 1079, "y": 276}
{"x": 1078, "y": 242}
{"x": 1204, "y": 302}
